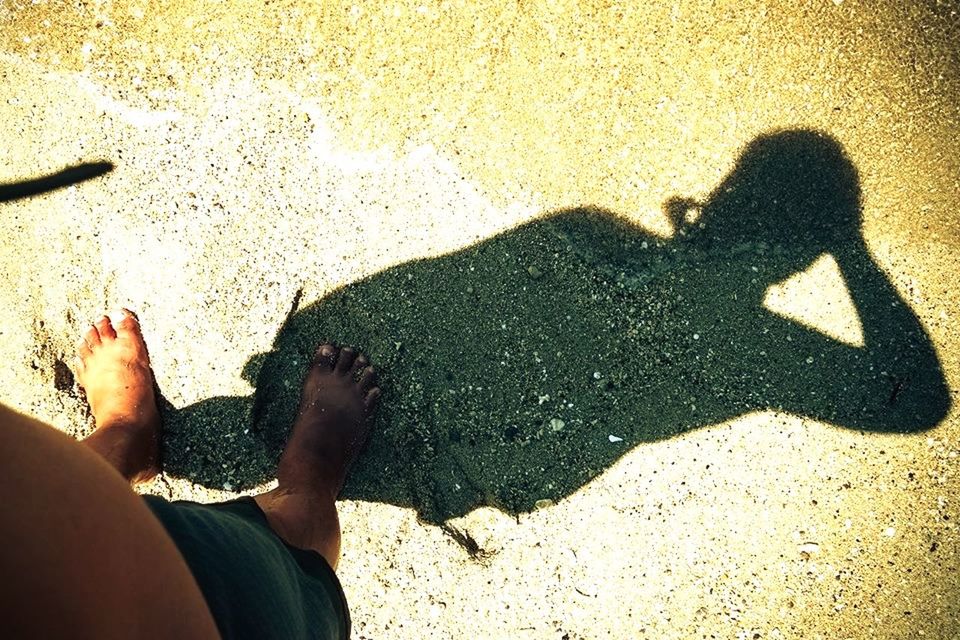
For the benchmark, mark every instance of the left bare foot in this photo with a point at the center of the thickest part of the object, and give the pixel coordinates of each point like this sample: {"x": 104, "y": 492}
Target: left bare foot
{"x": 113, "y": 368}
{"x": 339, "y": 397}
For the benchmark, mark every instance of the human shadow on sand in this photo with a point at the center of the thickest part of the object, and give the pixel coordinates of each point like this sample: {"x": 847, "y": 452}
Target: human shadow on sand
{"x": 507, "y": 365}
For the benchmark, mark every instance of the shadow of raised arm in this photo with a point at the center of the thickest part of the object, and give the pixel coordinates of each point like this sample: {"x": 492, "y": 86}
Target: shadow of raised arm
{"x": 795, "y": 195}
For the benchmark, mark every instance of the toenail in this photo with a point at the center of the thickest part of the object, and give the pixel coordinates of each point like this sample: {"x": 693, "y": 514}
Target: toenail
{"x": 117, "y": 316}
{"x": 326, "y": 350}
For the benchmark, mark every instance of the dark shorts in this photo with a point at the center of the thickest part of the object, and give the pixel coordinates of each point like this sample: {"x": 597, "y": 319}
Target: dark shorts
{"x": 256, "y": 585}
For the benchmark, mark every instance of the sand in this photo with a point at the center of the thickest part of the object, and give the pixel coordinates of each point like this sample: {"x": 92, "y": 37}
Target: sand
{"x": 663, "y": 297}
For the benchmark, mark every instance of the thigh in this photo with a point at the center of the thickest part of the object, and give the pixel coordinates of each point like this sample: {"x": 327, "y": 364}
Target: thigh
{"x": 80, "y": 553}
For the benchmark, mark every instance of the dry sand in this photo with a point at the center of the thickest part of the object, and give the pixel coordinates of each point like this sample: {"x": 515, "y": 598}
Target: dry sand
{"x": 267, "y": 153}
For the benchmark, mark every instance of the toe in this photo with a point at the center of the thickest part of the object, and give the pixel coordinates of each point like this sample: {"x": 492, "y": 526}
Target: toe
{"x": 125, "y": 323}
{"x": 83, "y": 349}
{"x": 79, "y": 367}
{"x": 105, "y": 329}
{"x": 359, "y": 364}
{"x": 325, "y": 356}
{"x": 370, "y": 401}
{"x": 345, "y": 361}
{"x": 92, "y": 337}
{"x": 368, "y": 378}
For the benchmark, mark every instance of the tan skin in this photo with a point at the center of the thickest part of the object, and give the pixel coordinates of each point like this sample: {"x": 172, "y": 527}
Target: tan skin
{"x": 82, "y": 555}
{"x": 87, "y": 556}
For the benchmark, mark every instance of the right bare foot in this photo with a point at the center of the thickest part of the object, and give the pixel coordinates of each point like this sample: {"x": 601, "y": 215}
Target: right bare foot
{"x": 113, "y": 368}
{"x": 332, "y": 425}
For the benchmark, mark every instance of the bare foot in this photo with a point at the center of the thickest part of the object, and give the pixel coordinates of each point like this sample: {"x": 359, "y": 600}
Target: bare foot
{"x": 113, "y": 368}
{"x": 333, "y": 422}
{"x": 332, "y": 425}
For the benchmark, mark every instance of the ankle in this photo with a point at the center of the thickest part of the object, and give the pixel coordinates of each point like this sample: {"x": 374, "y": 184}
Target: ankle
{"x": 132, "y": 449}
{"x": 130, "y": 424}
{"x": 310, "y": 473}
{"x": 304, "y": 520}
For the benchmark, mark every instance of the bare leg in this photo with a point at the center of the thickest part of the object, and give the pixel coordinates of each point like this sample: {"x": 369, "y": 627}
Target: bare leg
{"x": 82, "y": 556}
{"x": 338, "y": 400}
{"x": 113, "y": 367}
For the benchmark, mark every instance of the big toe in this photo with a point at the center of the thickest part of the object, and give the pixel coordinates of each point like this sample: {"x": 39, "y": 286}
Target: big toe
{"x": 325, "y": 356}
{"x": 125, "y": 324}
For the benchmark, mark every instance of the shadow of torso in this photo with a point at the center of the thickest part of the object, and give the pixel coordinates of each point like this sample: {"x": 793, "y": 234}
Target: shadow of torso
{"x": 508, "y": 365}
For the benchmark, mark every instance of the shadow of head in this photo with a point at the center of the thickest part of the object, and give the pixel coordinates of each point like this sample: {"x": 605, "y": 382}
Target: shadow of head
{"x": 794, "y": 190}
{"x": 518, "y": 369}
